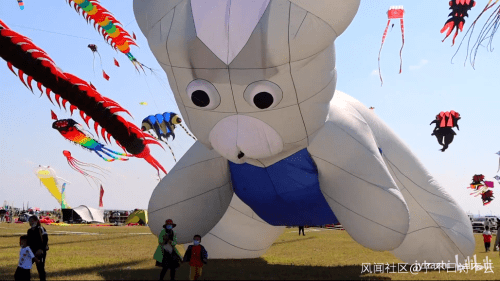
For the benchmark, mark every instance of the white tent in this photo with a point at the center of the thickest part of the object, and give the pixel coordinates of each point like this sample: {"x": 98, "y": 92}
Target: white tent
{"x": 90, "y": 214}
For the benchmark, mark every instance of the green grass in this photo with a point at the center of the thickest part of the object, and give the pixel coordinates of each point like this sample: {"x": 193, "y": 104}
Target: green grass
{"x": 124, "y": 253}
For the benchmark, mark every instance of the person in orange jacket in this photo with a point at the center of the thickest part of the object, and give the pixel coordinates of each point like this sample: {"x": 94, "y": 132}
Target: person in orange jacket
{"x": 487, "y": 238}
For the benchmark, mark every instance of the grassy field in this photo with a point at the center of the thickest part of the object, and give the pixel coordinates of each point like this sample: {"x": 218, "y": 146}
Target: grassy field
{"x": 107, "y": 253}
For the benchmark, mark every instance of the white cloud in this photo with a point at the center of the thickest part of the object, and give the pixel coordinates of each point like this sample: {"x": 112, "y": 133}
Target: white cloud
{"x": 374, "y": 72}
{"x": 419, "y": 65}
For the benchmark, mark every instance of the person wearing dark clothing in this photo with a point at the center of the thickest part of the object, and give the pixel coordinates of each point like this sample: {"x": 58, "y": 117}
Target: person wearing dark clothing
{"x": 38, "y": 243}
{"x": 166, "y": 254}
{"x": 301, "y": 228}
{"x": 196, "y": 256}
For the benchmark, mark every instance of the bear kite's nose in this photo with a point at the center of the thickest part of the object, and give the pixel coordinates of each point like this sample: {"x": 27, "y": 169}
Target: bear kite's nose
{"x": 241, "y": 154}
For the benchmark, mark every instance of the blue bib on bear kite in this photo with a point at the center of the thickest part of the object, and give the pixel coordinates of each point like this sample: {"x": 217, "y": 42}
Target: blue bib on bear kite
{"x": 285, "y": 193}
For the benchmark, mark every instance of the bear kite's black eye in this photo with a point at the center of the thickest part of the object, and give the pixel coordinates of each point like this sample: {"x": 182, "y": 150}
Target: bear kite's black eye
{"x": 263, "y": 100}
{"x": 203, "y": 94}
{"x": 200, "y": 98}
{"x": 263, "y": 94}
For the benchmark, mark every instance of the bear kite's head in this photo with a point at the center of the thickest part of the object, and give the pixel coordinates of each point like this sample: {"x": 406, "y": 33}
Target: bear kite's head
{"x": 252, "y": 79}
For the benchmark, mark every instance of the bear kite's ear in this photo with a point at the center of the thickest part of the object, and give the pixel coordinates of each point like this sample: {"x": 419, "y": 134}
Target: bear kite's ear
{"x": 149, "y": 12}
{"x": 337, "y": 13}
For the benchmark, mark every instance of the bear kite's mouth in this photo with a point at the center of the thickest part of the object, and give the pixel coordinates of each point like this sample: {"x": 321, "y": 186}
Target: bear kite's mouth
{"x": 238, "y": 137}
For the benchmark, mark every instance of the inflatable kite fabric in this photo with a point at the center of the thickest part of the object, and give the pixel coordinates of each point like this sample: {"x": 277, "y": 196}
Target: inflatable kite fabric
{"x": 395, "y": 12}
{"x": 21, "y": 52}
{"x": 445, "y": 122}
{"x": 52, "y": 182}
{"x": 75, "y": 133}
{"x": 163, "y": 125}
{"x": 481, "y": 187}
{"x": 459, "y": 10}
{"x": 108, "y": 26}
{"x": 277, "y": 145}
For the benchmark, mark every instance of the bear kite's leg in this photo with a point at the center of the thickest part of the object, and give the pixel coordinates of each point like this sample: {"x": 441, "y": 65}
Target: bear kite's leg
{"x": 240, "y": 234}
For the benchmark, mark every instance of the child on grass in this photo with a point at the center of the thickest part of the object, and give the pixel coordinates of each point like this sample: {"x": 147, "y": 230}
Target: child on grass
{"x": 26, "y": 257}
{"x": 196, "y": 255}
{"x": 487, "y": 238}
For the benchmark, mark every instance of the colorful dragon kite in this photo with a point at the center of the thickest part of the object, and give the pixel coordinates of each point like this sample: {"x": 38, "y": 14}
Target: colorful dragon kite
{"x": 445, "y": 122}
{"x": 481, "y": 187}
{"x": 20, "y": 52}
{"x": 74, "y": 132}
{"x": 395, "y": 12}
{"x": 108, "y": 26}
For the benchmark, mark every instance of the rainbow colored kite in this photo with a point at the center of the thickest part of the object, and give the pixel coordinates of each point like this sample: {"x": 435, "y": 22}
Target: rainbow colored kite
{"x": 108, "y": 26}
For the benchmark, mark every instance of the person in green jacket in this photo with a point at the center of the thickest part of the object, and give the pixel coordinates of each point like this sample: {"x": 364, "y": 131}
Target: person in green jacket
{"x": 166, "y": 254}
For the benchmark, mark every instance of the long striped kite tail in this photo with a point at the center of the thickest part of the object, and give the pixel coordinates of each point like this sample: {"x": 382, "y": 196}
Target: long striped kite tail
{"x": 187, "y": 131}
{"x": 380, "y": 51}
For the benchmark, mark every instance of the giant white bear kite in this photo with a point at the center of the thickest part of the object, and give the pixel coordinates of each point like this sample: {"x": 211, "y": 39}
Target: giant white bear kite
{"x": 255, "y": 82}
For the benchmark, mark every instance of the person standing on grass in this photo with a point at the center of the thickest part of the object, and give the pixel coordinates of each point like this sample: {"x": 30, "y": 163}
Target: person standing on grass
{"x": 196, "y": 255}
{"x": 496, "y": 245}
{"x": 26, "y": 258}
{"x": 487, "y": 238}
{"x": 301, "y": 228}
{"x": 166, "y": 254}
{"x": 38, "y": 242}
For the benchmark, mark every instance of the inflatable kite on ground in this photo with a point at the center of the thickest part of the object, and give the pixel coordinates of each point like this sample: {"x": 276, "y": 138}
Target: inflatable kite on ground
{"x": 21, "y": 4}
{"x": 395, "y": 12}
{"x": 21, "y": 52}
{"x": 75, "y": 133}
{"x": 82, "y": 168}
{"x": 481, "y": 187}
{"x": 445, "y": 121}
{"x": 459, "y": 10}
{"x": 277, "y": 145}
{"x": 163, "y": 125}
{"x": 93, "y": 48}
{"x": 108, "y": 26}
{"x": 51, "y": 181}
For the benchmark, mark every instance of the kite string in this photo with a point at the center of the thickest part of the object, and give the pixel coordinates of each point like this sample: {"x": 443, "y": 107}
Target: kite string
{"x": 380, "y": 51}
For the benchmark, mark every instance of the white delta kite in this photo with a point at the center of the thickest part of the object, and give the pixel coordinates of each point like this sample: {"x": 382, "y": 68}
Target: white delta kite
{"x": 277, "y": 145}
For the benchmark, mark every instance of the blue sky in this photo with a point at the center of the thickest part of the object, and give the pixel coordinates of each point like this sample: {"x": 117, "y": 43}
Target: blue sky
{"x": 408, "y": 101}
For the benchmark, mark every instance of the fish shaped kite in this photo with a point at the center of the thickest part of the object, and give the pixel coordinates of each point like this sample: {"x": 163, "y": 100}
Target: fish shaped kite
{"x": 75, "y": 133}
{"x": 395, "y": 12}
